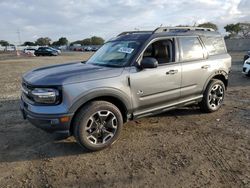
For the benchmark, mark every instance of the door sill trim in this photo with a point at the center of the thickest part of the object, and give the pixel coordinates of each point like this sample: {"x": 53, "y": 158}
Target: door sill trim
{"x": 166, "y": 107}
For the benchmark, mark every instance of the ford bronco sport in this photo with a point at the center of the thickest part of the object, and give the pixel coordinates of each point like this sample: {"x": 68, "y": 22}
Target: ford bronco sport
{"x": 136, "y": 74}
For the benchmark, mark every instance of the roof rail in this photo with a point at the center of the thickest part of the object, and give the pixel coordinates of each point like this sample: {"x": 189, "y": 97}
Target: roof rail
{"x": 169, "y": 29}
{"x": 134, "y": 32}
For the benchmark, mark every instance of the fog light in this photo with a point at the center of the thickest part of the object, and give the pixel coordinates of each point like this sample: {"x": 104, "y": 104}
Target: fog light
{"x": 64, "y": 119}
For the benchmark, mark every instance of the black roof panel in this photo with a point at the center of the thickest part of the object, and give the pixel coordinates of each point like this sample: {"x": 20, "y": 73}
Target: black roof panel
{"x": 137, "y": 37}
{"x": 144, "y": 35}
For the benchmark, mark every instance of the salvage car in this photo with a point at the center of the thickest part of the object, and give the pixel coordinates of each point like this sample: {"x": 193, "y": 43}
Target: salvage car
{"x": 136, "y": 74}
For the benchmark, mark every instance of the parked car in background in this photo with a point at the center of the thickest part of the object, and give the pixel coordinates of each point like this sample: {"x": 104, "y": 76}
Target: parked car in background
{"x": 88, "y": 49}
{"x": 246, "y": 67}
{"x": 78, "y": 49}
{"x": 56, "y": 49}
{"x": 91, "y": 48}
{"x": 246, "y": 56}
{"x": 29, "y": 50}
{"x": 46, "y": 51}
{"x": 94, "y": 49}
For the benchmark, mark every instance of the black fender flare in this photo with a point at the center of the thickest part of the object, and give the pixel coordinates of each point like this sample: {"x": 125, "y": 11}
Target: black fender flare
{"x": 215, "y": 73}
{"x": 101, "y": 92}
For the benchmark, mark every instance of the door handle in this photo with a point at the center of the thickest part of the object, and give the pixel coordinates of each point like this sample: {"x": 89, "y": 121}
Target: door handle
{"x": 205, "y": 66}
{"x": 172, "y": 72}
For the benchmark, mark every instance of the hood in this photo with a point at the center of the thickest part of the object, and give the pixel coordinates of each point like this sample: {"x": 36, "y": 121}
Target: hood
{"x": 69, "y": 73}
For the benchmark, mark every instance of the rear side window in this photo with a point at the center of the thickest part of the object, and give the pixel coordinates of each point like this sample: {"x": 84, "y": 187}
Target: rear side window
{"x": 191, "y": 49}
{"x": 214, "y": 45}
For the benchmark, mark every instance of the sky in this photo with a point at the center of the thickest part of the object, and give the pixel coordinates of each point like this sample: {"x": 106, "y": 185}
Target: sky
{"x": 27, "y": 20}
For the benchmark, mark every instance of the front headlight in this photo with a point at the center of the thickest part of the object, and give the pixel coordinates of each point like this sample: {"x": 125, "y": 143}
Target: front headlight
{"x": 45, "y": 95}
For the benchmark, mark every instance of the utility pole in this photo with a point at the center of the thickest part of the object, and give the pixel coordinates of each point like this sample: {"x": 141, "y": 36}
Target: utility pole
{"x": 19, "y": 37}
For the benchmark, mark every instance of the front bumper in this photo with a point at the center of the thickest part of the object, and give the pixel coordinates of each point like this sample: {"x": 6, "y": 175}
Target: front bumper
{"x": 48, "y": 122}
{"x": 246, "y": 70}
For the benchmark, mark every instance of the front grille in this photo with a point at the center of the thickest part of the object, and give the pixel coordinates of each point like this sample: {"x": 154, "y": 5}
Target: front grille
{"x": 26, "y": 90}
{"x": 244, "y": 69}
{"x": 28, "y": 86}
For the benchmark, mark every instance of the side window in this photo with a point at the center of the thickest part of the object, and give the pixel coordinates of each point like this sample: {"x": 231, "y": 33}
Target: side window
{"x": 191, "y": 48}
{"x": 162, "y": 50}
{"x": 214, "y": 45}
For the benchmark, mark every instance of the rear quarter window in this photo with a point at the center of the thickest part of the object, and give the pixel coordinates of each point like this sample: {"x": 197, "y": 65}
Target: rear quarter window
{"x": 214, "y": 45}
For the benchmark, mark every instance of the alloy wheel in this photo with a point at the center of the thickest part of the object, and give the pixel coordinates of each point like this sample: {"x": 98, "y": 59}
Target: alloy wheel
{"x": 101, "y": 127}
{"x": 216, "y": 96}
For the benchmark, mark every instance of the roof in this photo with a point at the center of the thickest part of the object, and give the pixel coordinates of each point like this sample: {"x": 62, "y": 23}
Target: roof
{"x": 132, "y": 36}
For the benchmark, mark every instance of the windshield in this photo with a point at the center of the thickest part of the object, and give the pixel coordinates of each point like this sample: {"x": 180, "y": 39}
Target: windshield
{"x": 115, "y": 53}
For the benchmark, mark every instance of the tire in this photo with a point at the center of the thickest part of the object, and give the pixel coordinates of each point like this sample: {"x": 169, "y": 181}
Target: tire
{"x": 248, "y": 74}
{"x": 213, "y": 96}
{"x": 97, "y": 125}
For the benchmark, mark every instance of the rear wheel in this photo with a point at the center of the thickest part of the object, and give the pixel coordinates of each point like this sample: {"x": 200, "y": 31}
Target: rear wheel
{"x": 97, "y": 125}
{"x": 213, "y": 96}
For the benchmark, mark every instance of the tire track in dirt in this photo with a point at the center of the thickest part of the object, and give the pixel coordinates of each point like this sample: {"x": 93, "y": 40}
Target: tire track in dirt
{"x": 219, "y": 163}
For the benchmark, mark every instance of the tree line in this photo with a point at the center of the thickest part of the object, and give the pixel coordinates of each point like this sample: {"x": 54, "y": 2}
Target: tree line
{"x": 46, "y": 41}
{"x": 238, "y": 30}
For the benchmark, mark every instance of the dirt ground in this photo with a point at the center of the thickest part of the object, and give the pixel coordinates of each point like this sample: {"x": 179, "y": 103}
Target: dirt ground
{"x": 181, "y": 148}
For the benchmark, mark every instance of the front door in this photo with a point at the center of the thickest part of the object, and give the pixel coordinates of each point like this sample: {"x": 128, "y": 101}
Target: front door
{"x": 156, "y": 88}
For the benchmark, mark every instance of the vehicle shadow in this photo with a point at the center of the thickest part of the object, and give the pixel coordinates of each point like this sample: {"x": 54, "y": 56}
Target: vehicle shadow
{"x": 20, "y": 141}
{"x": 41, "y": 150}
{"x": 182, "y": 111}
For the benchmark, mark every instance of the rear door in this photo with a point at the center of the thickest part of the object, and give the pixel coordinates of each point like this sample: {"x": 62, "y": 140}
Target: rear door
{"x": 195, "y": 66}
{"x": 156, "y": 88}
{"x": 47, "y": 51}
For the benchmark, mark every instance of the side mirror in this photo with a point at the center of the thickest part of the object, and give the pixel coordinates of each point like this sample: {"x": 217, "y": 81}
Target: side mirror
{"x": 149, "y": 62}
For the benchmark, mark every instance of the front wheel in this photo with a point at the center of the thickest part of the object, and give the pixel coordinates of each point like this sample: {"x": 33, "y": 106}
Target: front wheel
{"x": 248, "y": 74}
{"x": 213, "y": 96}
{"x": 97, "y": 125}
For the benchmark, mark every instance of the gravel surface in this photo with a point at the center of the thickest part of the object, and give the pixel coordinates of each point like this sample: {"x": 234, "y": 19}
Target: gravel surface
{"x": 181, "y": 148}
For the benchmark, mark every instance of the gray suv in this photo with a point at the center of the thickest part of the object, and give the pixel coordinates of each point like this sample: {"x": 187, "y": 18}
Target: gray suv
{"x": 136, "y": 74}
